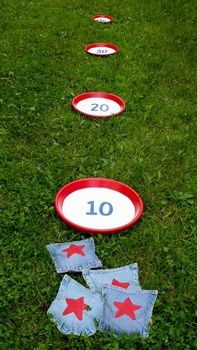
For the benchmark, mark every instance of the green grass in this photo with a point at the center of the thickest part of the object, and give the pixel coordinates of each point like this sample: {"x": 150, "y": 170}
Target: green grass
{"x": 151, "y": 147}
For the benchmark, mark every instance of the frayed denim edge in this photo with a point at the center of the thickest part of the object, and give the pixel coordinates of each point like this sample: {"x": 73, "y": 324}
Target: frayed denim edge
{"x": 79, "y": 269}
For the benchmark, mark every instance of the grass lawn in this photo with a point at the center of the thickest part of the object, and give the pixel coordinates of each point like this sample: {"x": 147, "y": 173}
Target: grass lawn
{"x": 45, "y": 144}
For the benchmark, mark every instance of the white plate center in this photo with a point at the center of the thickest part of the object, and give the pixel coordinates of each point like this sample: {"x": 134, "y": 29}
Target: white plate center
{"x": 98, "y": 106}
{"x": 102, "y": 19}
{"x": 101, "y": 50}
{"x": 98, "y": 208}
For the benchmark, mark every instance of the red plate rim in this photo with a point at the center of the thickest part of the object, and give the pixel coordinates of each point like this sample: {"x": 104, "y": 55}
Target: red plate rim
{"x": 99, "y": 16}
{"x": 90, "y": 94}
{"x": 102, "y": 183}
{"x": 108, "y": 45}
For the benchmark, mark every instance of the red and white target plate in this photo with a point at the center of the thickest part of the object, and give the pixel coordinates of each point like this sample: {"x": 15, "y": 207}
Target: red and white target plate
{"x": 101, "y": 49}
{"x": 98, "y": 104}
{"x": 98, "y": 205}
{"x": 102, "y": 18}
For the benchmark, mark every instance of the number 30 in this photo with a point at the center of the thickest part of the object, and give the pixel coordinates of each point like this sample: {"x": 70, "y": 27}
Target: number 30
{"x": 101, "y": 51}
{"x": 101, "y": 209}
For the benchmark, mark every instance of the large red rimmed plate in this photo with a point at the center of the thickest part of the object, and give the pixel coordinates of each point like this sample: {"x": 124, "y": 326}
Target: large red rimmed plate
{"x": 98, "y": 104}
{"x": 103, "y": 18}
{"x": 101, "y": 49}
{"x": 98, "y": 205}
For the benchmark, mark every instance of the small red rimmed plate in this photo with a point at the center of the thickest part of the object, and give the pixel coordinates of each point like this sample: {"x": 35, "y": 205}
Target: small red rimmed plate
{"x": 98, "y": 104}
{"x": 98, "y": 205}
{"x": 101, "y": 49}
{"x": 102, "y": 18}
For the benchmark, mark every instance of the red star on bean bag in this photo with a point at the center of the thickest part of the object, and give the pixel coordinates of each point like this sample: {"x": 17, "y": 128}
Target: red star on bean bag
{"x": 124, "y": 285}
{"x": 77, "y": 306}
{"x": 74, "y": 249}
{"x": 126, "y": 308}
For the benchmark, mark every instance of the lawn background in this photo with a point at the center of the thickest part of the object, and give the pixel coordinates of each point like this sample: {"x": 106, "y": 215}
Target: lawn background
{"x": 151, "y": 147}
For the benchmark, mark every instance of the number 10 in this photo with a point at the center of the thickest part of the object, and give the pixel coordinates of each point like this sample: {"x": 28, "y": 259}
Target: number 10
{"x": 101, "y": 209}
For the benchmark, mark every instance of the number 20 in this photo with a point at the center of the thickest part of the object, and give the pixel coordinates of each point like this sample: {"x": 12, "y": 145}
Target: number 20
{"x": 101, "y": 209}
{"x": 103, "y": 107}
